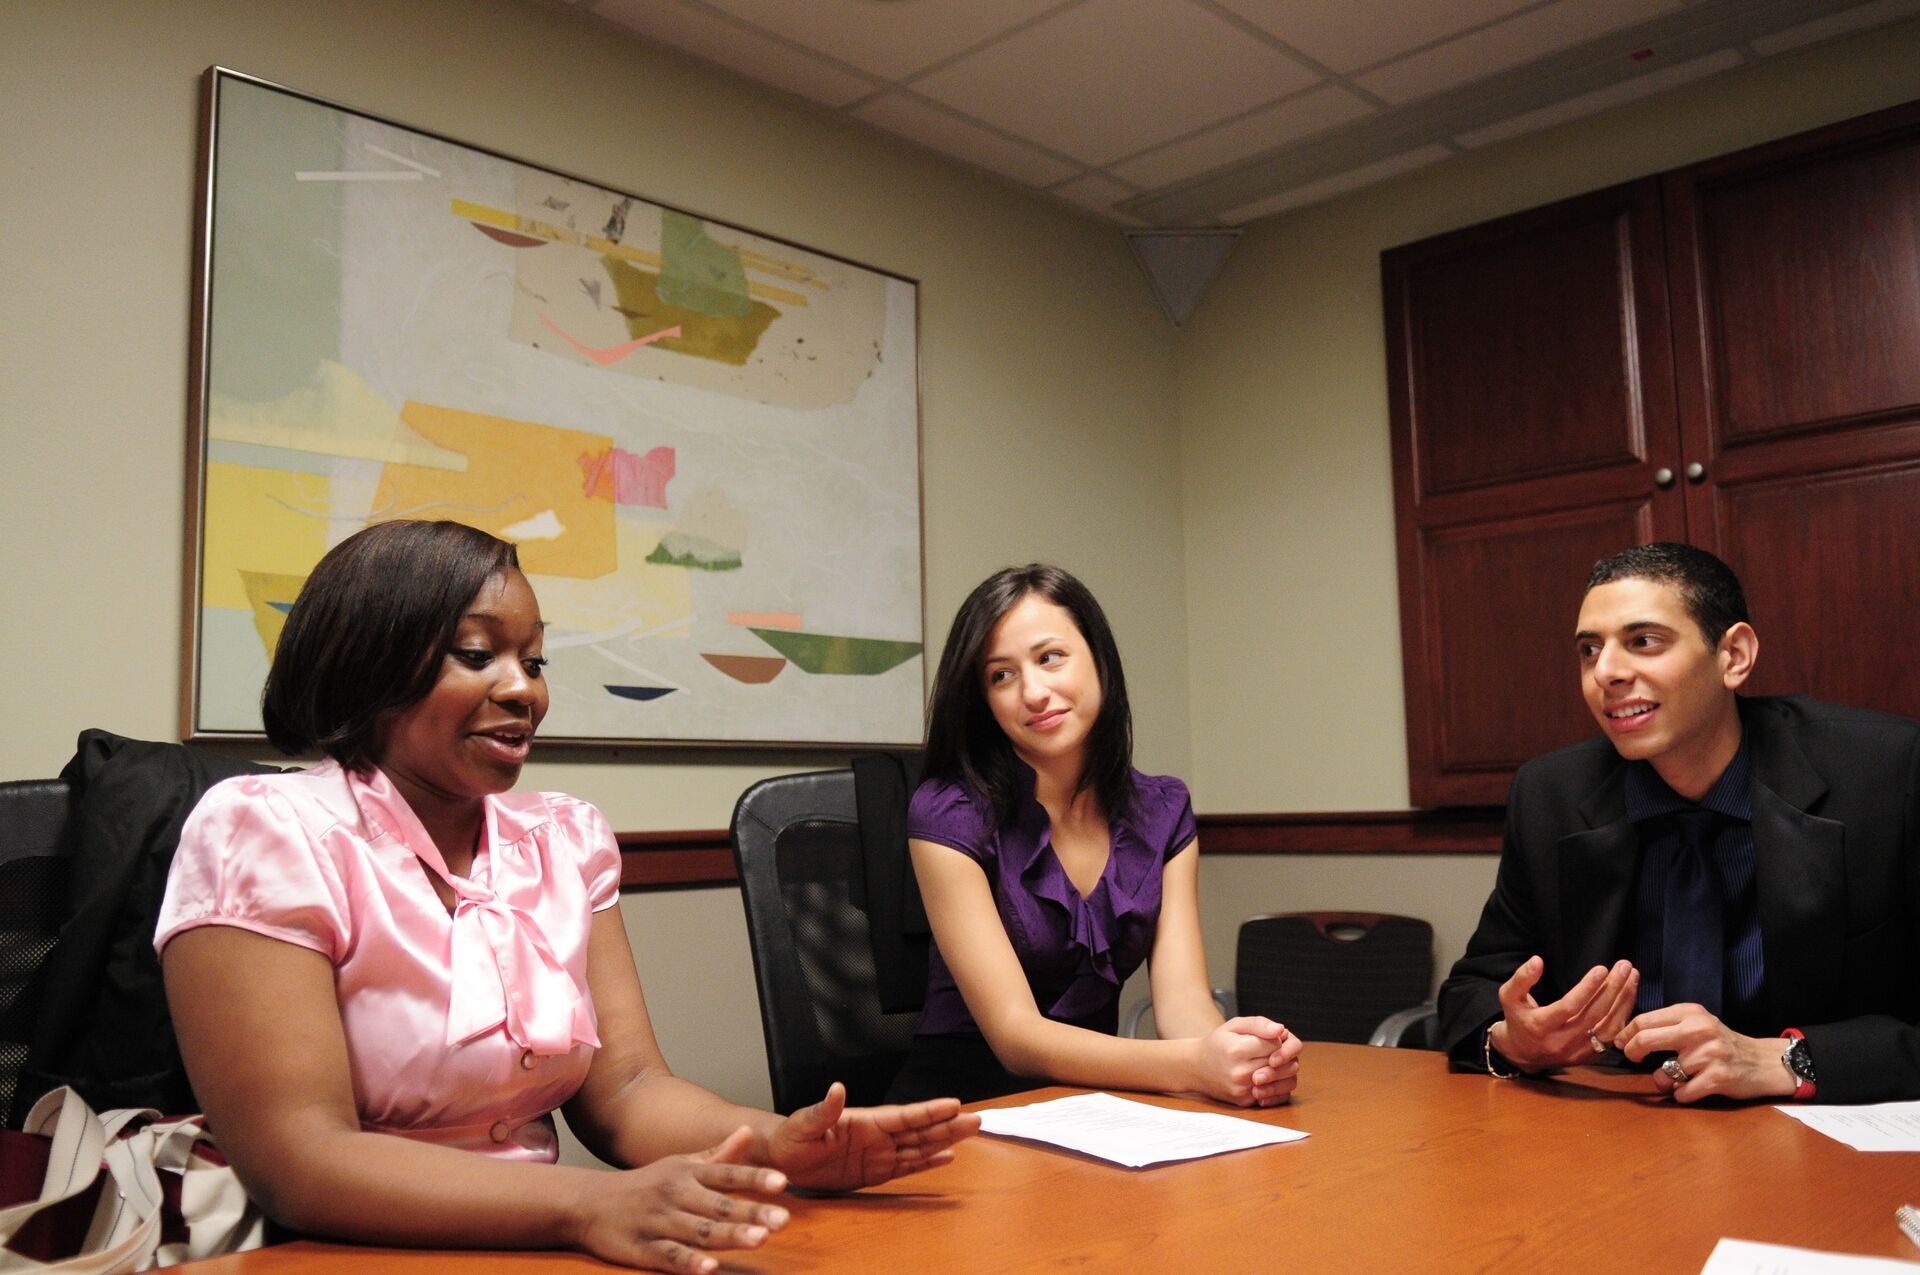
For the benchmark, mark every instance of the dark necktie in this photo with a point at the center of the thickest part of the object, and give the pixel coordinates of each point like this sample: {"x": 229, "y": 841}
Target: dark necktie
{"x": 1693, "y": 942}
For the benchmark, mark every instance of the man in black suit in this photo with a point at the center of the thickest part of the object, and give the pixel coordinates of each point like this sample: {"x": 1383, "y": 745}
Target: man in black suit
{"x": 1728, "y": 885}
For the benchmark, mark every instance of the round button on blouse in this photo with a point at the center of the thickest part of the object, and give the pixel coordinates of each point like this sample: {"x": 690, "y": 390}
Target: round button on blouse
{"x": 499, "y": 1131}
{"x": 527, "y": 1061}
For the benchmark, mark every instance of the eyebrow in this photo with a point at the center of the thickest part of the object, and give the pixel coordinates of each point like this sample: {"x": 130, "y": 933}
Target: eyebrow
{"x": 496, "y": 618}
{"x": 1002, "y": 657}
{"x": 1637, "y": 626}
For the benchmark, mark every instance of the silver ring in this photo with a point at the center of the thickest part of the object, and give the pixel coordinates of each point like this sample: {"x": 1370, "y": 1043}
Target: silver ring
{"x": 1675, "y": 1072}
{"x": 1599, "y": 1046}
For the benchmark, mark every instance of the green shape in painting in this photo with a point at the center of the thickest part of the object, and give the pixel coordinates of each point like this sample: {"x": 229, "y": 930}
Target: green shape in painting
{"x": 825, "y": 653}
{"x": 698, "y": 274}
{"x": 696, "y": 552}
{"x": 729, "y": 340}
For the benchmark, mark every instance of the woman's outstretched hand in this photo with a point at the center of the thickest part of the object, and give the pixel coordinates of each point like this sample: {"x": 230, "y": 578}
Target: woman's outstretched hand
{"x": 668, "y": 1215}
{"x": 832, "y": 1147}
{"x": 1249, "y": 1062}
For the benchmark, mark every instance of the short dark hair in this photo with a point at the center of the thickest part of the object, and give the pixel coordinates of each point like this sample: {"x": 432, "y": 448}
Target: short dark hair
{"x": 1707, "y": 586}
{"x": 366, "y": 635}
{"x": 965, "y": 745}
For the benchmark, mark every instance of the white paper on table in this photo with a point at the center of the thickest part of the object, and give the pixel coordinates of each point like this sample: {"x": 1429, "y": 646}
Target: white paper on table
{"x": 1745, "y": 1257}
{"x": 1880, "y": 1126}
{"x": 1131, "y": 1133}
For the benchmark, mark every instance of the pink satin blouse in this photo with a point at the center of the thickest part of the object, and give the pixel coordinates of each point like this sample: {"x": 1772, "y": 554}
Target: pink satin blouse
{"x": 465, "y": 1029}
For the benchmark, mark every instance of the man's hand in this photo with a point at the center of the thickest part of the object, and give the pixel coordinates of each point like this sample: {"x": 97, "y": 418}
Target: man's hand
{"x": 1714, "y": 1058}
{"x": 1535, "y": 1037}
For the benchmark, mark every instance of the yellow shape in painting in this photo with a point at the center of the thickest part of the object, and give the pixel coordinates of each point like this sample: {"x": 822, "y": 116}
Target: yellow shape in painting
{"x": 637, "y": 599}
{"x": 516, "y": 470}
{"x": 271, "y": 596}
{"x": 335, "y": 414}
{"x": 255, "y": 523}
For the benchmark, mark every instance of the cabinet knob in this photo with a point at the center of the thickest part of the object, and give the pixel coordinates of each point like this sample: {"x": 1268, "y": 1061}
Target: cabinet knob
{"x": 1663, "y": 478}
{"x": 1696, "y": 471}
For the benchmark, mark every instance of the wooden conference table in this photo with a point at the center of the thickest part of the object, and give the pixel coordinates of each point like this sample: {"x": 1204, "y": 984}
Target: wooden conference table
{"x": 1408, "y": 1168}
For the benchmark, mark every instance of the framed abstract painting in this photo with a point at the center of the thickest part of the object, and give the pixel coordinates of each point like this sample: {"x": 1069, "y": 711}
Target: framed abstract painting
{"x": 704, "y": 442}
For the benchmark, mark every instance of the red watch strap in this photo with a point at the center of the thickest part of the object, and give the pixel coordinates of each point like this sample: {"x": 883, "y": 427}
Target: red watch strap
{"x": 1803, "y": 1090}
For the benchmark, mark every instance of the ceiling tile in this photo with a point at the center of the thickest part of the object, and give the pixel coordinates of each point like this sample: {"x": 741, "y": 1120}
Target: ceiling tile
{"x": 1109, "y": 78}
{"x": 1855, "y": 19}
{"x": 730, "y": 45}
{"x": 1339, "y": 184}
{"x": 1508, "y": 44}
{"x": 1600, "y": 99}
{"x": 1299, "y": 117}
{"x": 931, "y": 126}
{"x": 891, "y": 39}
{"x": 1095, "y": 193}
{"x": 1347, "y": 35}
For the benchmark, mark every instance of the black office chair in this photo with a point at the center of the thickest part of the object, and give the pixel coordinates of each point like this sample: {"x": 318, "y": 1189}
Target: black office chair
{"x": 1339, "y": 976}
{"x": 1355, "y": 977}
{"x": 810, "y": 921}
{"x": 35, "y": 822}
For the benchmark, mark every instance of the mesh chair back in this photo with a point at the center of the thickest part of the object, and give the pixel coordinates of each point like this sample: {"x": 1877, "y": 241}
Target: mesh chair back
{"x": 1333, "y": 975}
{"x": 34, "y": 826}
{"x": 796, "y": 842}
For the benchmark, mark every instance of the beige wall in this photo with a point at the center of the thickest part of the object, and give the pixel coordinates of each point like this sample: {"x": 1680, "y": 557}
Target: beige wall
{"x": 1235, "y": 517}
{"x": 1047, "y": 370}
{"x": 1293, "y": 622}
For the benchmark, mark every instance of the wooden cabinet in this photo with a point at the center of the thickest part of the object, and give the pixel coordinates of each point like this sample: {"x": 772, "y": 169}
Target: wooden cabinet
{"x": 1727, "y": 354}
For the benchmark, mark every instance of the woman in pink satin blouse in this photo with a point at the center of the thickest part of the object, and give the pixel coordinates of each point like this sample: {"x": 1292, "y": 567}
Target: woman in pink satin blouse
{"x": 387, "y": 972}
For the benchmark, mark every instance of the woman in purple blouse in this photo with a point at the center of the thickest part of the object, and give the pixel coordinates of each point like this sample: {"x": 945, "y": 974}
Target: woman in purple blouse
{"x": 1051, "y": 868}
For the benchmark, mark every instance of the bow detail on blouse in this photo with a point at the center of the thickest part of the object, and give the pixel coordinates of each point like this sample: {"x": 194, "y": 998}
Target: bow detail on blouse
{"x": 505, "y": 973}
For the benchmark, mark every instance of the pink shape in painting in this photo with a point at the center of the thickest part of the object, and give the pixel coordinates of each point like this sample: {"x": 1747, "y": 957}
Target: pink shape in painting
{"x": 628, "y": 479}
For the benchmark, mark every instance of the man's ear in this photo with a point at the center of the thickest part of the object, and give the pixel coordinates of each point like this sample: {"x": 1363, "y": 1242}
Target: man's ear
{"x": 1739, "y": 648}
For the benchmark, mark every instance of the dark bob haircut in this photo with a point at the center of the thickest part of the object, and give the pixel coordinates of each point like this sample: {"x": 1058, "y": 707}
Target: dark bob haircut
{"x": 1706, "y": 585}
{"x": 964, "y": 743}
{"x": 366, "y": 635}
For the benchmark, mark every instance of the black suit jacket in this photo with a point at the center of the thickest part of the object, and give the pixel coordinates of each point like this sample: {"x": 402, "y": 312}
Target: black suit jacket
{"x": 1836, "y": 833}
{"x": 101, "y": 1022}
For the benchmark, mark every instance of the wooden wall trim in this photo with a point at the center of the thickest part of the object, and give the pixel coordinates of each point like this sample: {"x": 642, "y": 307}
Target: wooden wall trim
{"x": 1462, "y": 830}
{"x": 675, "y": 860}
{"x": 704, "y": 857}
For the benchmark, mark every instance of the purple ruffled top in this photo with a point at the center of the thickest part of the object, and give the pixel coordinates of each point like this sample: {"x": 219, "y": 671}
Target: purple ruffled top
{"x": 1076, "y": 952}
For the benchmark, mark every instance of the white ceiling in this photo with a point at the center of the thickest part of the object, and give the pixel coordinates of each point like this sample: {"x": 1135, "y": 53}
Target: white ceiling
{"x": 1194, "y": 113}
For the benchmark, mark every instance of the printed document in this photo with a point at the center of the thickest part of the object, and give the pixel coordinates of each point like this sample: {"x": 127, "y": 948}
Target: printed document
{"x": 1880, "y": 1126}
{"x": 1744, "y": 1257}
{"x": 1135, "y": 1134}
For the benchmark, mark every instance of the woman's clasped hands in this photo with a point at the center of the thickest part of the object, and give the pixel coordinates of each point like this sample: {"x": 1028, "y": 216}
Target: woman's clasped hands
{"x": 1249, "y": 1062}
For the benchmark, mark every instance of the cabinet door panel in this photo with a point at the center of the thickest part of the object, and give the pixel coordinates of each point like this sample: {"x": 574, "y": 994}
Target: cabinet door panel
{"x": 1520, "y": 345}
{"x": 1831, "y": 567}
{"x": 1796, "y": 278}
{"x": 1530, "y": 374}
{"x": 1501, "y": 599}
{"x": 1808, "y": 279}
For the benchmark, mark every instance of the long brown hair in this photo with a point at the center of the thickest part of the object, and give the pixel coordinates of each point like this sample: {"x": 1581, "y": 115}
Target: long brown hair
{"x": 965, "y": 745}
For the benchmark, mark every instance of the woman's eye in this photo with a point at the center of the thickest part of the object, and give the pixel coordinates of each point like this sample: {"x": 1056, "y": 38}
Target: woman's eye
{"x": 1052, "y": 657}
{"x": 473, "y": 657}
{"x": 997, "y": 676}
{"x": 534, "y": 666}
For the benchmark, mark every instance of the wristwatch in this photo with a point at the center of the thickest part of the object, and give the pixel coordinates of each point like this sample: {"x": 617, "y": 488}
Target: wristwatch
{"x": 1797, "y": 1058}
